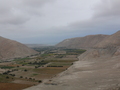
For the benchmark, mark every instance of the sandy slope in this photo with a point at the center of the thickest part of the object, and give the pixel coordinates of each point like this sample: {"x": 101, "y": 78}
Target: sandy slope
{"x": 93, "y": 71}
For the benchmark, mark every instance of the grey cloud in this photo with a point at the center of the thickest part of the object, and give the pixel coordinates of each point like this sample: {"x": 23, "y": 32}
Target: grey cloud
{"x": 33, "y": 7}
{"x": 13, "y": 20}
{"x": 9, "y": 14}
{"x": 105, "y": 18}
{"x": 36, "y": 3}
{"x": 22, "y": 18}
{"x": 107, "y": 8}
{"x": 19, "y": 12}
{"x": 5, "y": 8}
{"x": 4, "y": 11}
{"x": 102, "y": 22}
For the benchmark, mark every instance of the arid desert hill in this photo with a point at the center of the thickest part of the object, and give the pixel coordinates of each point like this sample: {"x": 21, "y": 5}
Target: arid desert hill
{"x": 12, "y": 49}
{"x": 111, "y": 40}
{"x": 82, "y": 42}
{"x": 92, "y": 41}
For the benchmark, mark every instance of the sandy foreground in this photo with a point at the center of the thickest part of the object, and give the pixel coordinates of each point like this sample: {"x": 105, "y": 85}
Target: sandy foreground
{"x": 93, "y": 71}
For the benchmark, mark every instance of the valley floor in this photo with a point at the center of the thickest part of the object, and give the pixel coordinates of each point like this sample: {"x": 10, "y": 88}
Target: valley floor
{"x": 93, "y": 71}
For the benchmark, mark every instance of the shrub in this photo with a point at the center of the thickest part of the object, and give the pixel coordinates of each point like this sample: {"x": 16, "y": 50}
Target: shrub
{"x": 40, "y": 81}
{"x": 25, "y": 70}
{"x": 7, "y": 77}
{"x": 21, "y": 76}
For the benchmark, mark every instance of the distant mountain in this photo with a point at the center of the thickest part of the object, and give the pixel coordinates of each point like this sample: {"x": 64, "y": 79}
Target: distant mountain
{"x": 36, "y": 45}
{"x": 92, "y": 41}
{"x": 12, "y": 49}
{"x": 82, "y": 42}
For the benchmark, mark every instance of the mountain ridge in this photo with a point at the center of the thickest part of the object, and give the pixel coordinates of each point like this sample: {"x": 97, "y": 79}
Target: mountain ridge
{"x": 82, "y": 42}
{"x": 92, "y": 41}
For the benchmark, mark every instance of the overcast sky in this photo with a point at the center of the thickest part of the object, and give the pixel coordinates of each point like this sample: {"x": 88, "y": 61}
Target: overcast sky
{"x": 51, "y": 21}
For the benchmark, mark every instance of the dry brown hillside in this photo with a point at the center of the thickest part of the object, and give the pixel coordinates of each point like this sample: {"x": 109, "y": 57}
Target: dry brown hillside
{"x": 92, "y": 41}
{"x": 12, "y": 49}
{"x": 111, "y": 40}
{"x": 82, "y": 42}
